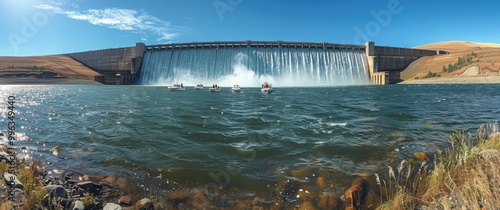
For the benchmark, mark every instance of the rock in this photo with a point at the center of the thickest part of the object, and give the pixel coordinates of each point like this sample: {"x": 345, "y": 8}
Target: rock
{"x": 301, "y": 172}
{"x": 54, "y": 192}
{"x": 178, "y": 195}
{"x": 288, "y": 192}
{"x": 256, "y": 201}
{"x": 90, "y": 187}
{"x": 144, "y": 204}
{"x": 354, "y": 195}
{"x": 75, "y": 153}
{"x": 18, "y": 195}
{"x": 328, "y": 202}
{"x": 3, "y": 148}
{"x": 110, "y": 179}
{"x": 112, "y": 206}
{"x": 240, "y": 204}
{"x": 125, "y": 200}
{"x": 320, "y": 182}
{"x": 12, "y": 179}
{"x": 122, "y": 183}
{"x": 199, "y": 201}
{"x": 400, "y": 138}
{"x": 4, "y": 156}
{"x": 396, "y": 136}
{"x": 372, "y": 200}
{"x": 64, "y": 203}
{"x": 77, "y": 205}
{"x": 421, "y": 156}
{"x": 307, "y": 193}
{"x": 306, "y": 206}
{"x": 411, "y": 162}
{"x": 55, "y": 150}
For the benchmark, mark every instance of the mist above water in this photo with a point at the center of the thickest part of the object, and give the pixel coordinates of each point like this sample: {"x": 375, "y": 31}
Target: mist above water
{"x": 250, "y": 67}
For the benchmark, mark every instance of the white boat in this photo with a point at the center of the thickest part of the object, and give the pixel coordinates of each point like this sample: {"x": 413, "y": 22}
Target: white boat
{"x": 176, "y": 87}
{"x": 199, "y": 87}
{"x": 236, "y": 88}
{"x": 214, "y": 88}
{"x": 267, "y": 88}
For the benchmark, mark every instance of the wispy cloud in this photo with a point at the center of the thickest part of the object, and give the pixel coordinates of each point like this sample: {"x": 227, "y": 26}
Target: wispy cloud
{"x": 122, "y": 19}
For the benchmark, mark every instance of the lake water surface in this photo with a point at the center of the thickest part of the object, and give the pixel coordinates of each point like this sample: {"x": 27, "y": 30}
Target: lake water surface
{"x": 246, "y": 140}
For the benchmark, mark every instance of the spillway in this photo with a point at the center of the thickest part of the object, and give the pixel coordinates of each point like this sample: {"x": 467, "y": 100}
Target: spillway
{"x": 252, "y": 65}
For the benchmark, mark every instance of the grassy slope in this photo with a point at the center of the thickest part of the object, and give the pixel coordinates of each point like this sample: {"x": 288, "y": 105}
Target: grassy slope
{"x": 487, "y": 53}
{"x": 61, "y": 64}
{"x": 466, "y": 176}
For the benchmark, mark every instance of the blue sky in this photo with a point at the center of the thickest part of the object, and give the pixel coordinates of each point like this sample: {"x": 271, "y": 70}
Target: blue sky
{"x": 45, "y": 27}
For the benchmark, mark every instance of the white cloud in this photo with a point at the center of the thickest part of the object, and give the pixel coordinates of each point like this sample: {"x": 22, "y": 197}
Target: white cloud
{"x": 121, "y": 19}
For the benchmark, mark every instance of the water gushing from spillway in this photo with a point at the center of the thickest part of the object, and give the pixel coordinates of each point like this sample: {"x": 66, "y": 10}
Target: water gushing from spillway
{"x": 250, "y": 67}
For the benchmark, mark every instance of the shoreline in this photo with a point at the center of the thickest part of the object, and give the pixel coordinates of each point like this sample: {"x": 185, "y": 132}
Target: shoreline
{"x": 44, "y": 81}
{"x": 455, "y": 80}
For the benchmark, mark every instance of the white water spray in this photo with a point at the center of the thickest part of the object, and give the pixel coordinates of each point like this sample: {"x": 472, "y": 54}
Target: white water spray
{"x": 250, "y": 68}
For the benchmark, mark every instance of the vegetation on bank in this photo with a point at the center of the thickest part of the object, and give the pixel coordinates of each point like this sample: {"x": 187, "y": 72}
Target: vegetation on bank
{"x": 24, "y": 68}
{"x": 461, "y": 62}
{"x": 466, "y": 176}
{"x": 431, "y": 74}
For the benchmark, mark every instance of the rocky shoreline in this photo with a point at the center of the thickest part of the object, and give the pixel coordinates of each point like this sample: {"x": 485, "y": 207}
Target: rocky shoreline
{"x": 29, "y": 186}
{"x": 37, "y": 188}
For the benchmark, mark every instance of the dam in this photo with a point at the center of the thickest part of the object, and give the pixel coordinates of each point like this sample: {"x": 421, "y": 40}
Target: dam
{"x": 249, "y": 63}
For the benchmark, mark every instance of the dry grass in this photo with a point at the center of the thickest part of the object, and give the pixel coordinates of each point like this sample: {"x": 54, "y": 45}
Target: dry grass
{"x": 458, "y": 46}
{"x": 61, "y": 64}
{"x": 487, "y": 53}
{"x": 467, "y": 176}
{"x": 33, "y": 188}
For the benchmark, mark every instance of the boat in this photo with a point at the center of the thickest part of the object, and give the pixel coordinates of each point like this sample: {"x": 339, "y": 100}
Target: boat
{"x": 199, "y": 87}
{"x": 176, "y": 87}
{"x": 214, "y": 88}
{"x": 236, "y": 88}
{"x": 267, "y": 88}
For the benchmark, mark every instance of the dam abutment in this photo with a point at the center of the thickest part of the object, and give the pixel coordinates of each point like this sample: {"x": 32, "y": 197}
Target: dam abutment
{"x": 386, "y": 63}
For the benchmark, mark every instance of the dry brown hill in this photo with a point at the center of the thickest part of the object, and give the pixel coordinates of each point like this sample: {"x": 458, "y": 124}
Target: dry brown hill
{"x": 485, "y": 56}
{"x": 458, "y": 46}
{"x": 62, "y": 65}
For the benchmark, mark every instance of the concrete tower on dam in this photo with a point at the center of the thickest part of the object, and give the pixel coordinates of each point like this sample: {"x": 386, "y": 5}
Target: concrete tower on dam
{"x": 123, "y": 65}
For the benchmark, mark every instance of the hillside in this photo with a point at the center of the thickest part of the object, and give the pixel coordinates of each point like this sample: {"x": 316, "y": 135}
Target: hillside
{"x": 458, "y": 46}
{"x": 484, "y": 60}
{"x": 44, "y": 69}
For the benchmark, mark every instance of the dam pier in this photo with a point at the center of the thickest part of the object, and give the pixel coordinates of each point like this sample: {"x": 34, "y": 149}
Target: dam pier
{"x": 321, "y": 63}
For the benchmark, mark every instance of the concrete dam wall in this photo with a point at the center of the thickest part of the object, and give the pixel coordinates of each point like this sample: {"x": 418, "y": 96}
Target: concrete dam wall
{"x": 386, "y": 63}
{"x": 117, "y": 65}
{"x": 117, "y": 59}
{"x": 123, "y": 65}
{"x": 397, "y": 59}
